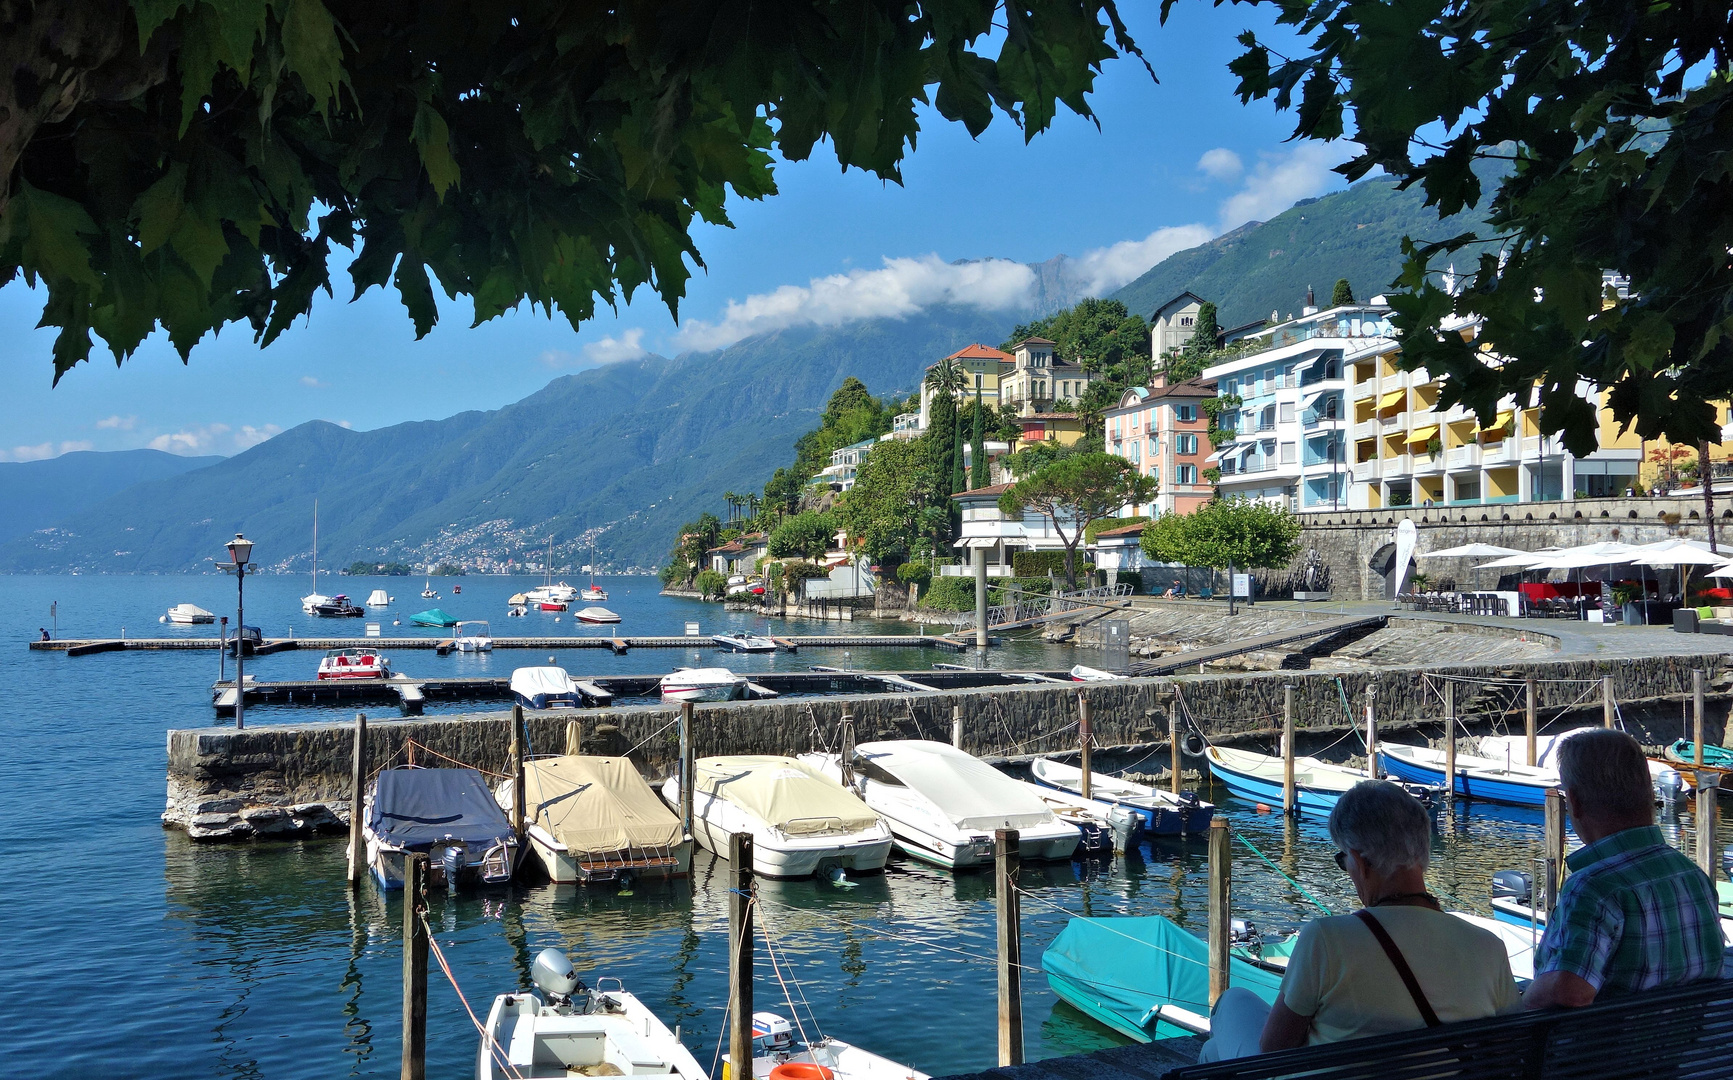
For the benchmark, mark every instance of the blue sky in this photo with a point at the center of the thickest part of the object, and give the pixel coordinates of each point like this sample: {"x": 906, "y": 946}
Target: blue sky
{"x": 1170, "y": 165}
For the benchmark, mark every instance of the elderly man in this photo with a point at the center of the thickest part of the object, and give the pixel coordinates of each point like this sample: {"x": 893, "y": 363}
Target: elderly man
{"x": 1397, "y": 964}
{"x": 1635, "y": 914}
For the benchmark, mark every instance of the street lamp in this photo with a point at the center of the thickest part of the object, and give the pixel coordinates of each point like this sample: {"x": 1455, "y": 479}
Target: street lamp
{"x": 240, "y": 550}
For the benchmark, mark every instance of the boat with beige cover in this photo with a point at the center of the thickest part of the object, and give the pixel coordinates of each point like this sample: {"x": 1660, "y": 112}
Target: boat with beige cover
{"x": 596, "y": 819}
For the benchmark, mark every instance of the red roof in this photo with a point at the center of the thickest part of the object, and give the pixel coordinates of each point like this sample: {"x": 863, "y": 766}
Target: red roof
{"x": 1123, "y": 530}
{"x": 993, "y": 489}
{"x": 979, "y": 351}
{"x": 1197, "y": 388}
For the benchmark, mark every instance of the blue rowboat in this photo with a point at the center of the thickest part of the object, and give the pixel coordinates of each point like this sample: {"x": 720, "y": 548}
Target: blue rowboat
{"x": 1476, "y": 777}
{"x": 1258, "y": 778}
{"x": 1163, "y": 812}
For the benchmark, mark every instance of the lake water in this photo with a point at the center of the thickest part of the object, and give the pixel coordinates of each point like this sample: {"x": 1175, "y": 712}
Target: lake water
{"x": 254, "y": 960}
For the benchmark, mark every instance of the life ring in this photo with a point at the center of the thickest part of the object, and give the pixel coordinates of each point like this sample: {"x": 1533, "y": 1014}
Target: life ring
{"x": 801, "y": 1070}
{"x": 1193, "y": 744}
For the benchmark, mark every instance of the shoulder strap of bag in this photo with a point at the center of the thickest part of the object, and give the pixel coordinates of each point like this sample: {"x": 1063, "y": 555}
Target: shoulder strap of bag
{"x": 1401, "y": 966}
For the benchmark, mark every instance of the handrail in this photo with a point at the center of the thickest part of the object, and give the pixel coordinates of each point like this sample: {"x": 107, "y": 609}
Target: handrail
{"x": 1039, "y": 605}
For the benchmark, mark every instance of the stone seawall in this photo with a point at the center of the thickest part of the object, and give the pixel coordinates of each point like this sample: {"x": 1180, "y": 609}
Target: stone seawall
{"x": 291, "y": 780}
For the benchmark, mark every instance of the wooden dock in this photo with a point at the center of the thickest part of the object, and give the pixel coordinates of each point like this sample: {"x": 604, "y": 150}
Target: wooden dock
{"x": 86, "y": 646}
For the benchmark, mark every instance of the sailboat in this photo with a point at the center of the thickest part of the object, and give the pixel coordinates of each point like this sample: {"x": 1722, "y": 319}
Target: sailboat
{"x": 594, "y": 592}
{"x": 427, "y": 592}
{"x": 548, "y": 596}
{"x": 314, "y": 598}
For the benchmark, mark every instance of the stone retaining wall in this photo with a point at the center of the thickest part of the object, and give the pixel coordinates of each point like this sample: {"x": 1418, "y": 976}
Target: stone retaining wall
{"x": 289, "y": 780}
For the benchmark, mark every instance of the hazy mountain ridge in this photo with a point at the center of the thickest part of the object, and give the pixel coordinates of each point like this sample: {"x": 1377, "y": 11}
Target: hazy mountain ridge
{"x": 36, "y": 494}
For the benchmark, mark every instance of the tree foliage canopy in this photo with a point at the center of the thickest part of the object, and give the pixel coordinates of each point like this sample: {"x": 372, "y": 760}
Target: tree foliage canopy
{"x": 888, "y": 506}
{"x": 1612, "y": 121}
{"x": 808, "y": 534}
{"x": 1074, "y": 491}
{"x": 191, "y": 163}
{"x": 1222, "y": 532}
{"x": 851, "y": 415}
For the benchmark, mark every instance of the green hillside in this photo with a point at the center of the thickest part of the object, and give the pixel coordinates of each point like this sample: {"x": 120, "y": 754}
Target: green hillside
{"x": 1258, "y": 268}
{"x": 34, "y": 494}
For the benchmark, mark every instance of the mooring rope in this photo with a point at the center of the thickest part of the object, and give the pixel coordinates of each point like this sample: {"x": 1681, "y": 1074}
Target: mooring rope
{"x": 439, "y": 954}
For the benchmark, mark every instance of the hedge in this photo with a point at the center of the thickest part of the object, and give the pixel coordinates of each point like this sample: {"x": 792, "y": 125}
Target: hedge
{"x": 1028, "y": 564}
{"x": 949, "y": 594}
{"x": 1100, "y": 525}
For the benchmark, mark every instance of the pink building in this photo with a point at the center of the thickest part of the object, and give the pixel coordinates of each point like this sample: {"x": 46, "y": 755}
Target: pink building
{"x": 1162, "y": 430}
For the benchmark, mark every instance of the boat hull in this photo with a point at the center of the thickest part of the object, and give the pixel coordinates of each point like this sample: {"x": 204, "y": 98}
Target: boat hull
{"x": 565, "y": 868}
{"x": 775, "y": 854}
{"x": 1470, "y": 784}
{"x": 1257, "y": 789}
{"x": 715, "y": 692}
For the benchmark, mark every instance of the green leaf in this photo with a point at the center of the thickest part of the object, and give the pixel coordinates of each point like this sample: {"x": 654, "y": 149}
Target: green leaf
{"x": 433, "y": 139}
{"x": 311, "y": 49}
{"x": 52, "y": 227}
{"x": 417, "y": 293}
{"x": 158, "y": 210}
{"x": 199, "y": 241}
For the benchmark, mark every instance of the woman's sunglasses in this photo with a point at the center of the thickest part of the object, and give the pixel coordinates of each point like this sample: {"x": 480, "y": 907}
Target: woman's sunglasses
{"x": 1342, "y": 861}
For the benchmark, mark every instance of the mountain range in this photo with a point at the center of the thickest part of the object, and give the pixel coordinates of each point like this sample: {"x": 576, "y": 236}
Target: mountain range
{"x": 621, "y": 454}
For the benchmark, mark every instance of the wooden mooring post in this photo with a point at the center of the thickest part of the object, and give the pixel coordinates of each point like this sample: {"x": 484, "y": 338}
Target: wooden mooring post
{"x": 686, "y": 769}
{"x": 1172, "y": 702}
{"x": 1528, "y": 725}
{"x": 357, "y": 800}
{"x": 1606, "y": 701}
{"x": 1083, "y": 739}
{"x": 845, "y": 747}
{"x": 517, "y": 770}
{"x": 957, "y": 726}
{"x": 1290, "y": 794}
{"x": 1371, "y": 734}
{"x": 574, "y": 737}
{"x": 1007, "y": 859}
{"x": 1220, "y": 907}
{"x": 1555, "y": 848}
{"x": 1697, "y": 718}
{"x": 740, "y": 954}
{"x": 414, "y": 1066}
{"x": 1449, "y": 743}
{"x": 1708, "y": 823}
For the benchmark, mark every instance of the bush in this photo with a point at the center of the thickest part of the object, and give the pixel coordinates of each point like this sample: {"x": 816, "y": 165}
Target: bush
{"x": 949, "y": 594}
{"x": 1101, "y": 525}
{"x": 709, "y": 583}
{"x": 1030, "y": 564}
{"x": 675, "y": 574}
{"x": 913, "y": 573}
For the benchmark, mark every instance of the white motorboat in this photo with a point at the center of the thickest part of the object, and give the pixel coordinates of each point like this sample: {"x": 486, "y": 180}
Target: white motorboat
{"x": 187, "y": 615}
{"x": 801, "y": 821}
{"x": 744, "y": 642}
{"x": 549, "y": 593}
{"x": 1513, "y": 750}
{"x": 315, "y": 598}
{"x": 1163, "y": 812}
{"x": 449, "y": 814}
{"x": 472, "y": 635}
{"x": 944, "y": 805}
{"x": 1104, "y": 827}
{"x": 516, "y": 611}
{"x": 545, "y": 688}
{"x": 702, "y": 684}
{"x": 595, "y": 615}
{"x": 576, "y": 1031}
{"x": 774, "y": 1044}
{"x": 427, "y": 591}
{"x": 378, "y": 598}
{"x": 353, "y": 663}
{"x": 1082, "y": 673}
{"x": 591, "y": 819}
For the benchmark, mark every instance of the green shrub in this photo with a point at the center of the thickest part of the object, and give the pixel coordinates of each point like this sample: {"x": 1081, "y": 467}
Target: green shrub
{"x": 1001, "y": 590}
{"x": 1101, "y": 525}
{"x": 709, "y": 583}
{"x": 675, "y": 574}
{"x": 949, "y": 594}
{"x": 1029, "y": 564}
{"x": 913, "y": 573}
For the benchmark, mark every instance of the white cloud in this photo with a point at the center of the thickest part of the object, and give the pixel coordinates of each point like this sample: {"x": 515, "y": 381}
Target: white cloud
{"x": 345, "y": 425}
{"x": 310, "y": 381}
{"x": 557, "y": 358}
{"x": 610, "y": 350}
{"x": 902, "y": 287}
{"x": 1279, "y": 181}
{"x": 197, "y": 439}
{"x": 1220, "y": 164}
{"x": 42, "y": 451}
{"x": 250, "y": 436}
{"x": 1106, "y": 269}
{"x": 117, "y": 423}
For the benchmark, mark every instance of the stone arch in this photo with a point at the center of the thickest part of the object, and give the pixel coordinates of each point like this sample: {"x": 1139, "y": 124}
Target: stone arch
{"x": 1549, "y": 517}
{"x": 1633, "y": 517}
{"x": 1605, "y": 514}
{"x": 1578, "y": 514}
{"x": 1694, "y": 517}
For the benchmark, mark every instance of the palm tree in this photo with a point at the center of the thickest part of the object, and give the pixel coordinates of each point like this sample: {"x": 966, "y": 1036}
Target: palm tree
{"x": 948, "y": 375}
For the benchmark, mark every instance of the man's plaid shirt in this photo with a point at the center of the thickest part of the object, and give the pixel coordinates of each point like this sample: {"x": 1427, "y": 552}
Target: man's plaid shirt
{"x": 1634, "y": 914}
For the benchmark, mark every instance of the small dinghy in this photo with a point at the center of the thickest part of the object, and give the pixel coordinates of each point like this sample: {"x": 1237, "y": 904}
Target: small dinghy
{"x": 943, "y": 805}
{"x": 593, "y": 819}
{"x": 1317, "y": 784}
{"x": 596, "y": 615}
{"x": 545, "y": 688}
{"x": 1476, "y": 777}
{"x": 378, "y": 598}
{"x": 1163, "y": 812}
{"x": 447, "y": 813}
{"x": 472, "y": 635}
{"x": 353, "y": 663}
{"x": 570, "y": 1030}
{"x": 802, "y": 822}
{"x": 776, "y": 1052}
{"x": 187, "y": 615}
{"x": 702, "y": 684}
{"x": 1080, "y": 673}
{"x": 744, "y": 643}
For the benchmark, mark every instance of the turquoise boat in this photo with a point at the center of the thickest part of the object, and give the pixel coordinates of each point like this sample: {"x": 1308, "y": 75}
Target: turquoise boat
{"x": 433, "y": 617}
{"x": 1143, "y": 976}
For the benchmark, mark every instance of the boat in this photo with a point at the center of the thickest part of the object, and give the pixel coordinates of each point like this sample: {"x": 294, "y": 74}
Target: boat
{"x": 1513, "y": 750}
{"x": 1682, "y": 758}
{"x": 596, "y": 615}
{"x": 1163, "y": 812}
{"x": 1081, "y": 673}
{"x": 545, "y": 688}
{"x": 1513, "y": 899}
{"x": 187, "y": 615}
{"x": 570, "y": 1030}
{"x": 702, "y": 684}
{"x": 448, "y": 814}
{"x": 744, "y": 642}
{"x": 248, "y": 637}
{"x": 1476, "y": 777}
{"x": 338, "y": 607}
{"x": 1143, "y": 976}
{"x": 802, "y": 822}
{"x": 1102, "y": 827}
{"x": 550, "y": 605}
{"x": 776, "y": 1052}
{"x": 471, "y": 635}
{"x": 593, "y": 593}
{"x": 593, "y": 819}
{"x": 314, "y": 598}
{"x": 378, "y": 598}
{"x": 1317, "y": 784}
{"x": 457, "y": 590}
{"x": 943, "y": 805}
{"x": 548, "y": 592}
{"x": 354, "y": 663}
{"x": 432, "y": 617}
{"x": 516, "y": 611}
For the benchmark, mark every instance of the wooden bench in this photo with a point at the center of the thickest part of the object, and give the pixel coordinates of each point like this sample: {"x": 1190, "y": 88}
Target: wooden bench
{"x": 1684, "y": 1031}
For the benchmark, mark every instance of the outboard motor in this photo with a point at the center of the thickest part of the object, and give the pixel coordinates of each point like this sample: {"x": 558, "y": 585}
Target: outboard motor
{"x": 451, "y": 860}
{"x": 1669, "y": 788}
{"x": 1727, "y": 862}
{"x": 1512, "y": 885}
{"x": 1244, "y": 934}
{"x": 554, "y": 975}
{"x": 771, "y": 1034}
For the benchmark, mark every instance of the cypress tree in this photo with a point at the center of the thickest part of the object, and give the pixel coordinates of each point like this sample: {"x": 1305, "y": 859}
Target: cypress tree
{"x": 942, "y": 437}
{"x": 959, "y": 482}
{"x": 980, "y": 476}
{"x": 1342, "y": 294}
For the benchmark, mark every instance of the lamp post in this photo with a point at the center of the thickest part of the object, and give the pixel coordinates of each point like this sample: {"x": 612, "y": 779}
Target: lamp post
{"x": 240, "y": 550}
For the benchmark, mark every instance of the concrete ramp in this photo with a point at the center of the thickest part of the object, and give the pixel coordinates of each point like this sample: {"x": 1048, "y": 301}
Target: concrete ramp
{"x": 1167, "y": 665}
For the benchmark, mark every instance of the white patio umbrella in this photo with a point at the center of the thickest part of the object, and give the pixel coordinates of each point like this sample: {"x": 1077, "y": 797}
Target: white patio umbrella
{"x": 1468, "y": 551}
{"x": 1525, "y": 560}
{"x": 1680, "y": 553}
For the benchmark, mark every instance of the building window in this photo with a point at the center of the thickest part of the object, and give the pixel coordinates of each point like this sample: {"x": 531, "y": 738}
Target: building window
{"x": 979, "y": 378}
{"x": 1287, "y": 453}
{"x": 1287, "y": 416}
{"x": 1267, "y": 419}
{"x": 1185, "y": 413}
{"x": 1185, "y": 474}
{"x": 1185, "y": 444}
{"x": 1185, "y": 320}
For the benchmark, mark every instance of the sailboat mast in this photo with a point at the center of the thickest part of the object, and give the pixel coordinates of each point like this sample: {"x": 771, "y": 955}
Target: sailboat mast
{"x": 315, "y": 545}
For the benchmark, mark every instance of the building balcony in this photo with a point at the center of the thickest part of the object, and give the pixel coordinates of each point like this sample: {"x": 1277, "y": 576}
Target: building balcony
{"x": 1366, "y": 429}
{"x": 1425, "y": 464}
{"x": 1498, "y": 453}
{"x": 1462, "y": 457}
{"x": 1367, "y": 471}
